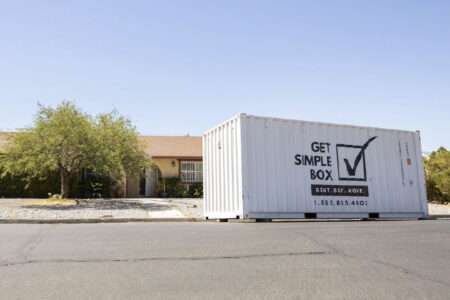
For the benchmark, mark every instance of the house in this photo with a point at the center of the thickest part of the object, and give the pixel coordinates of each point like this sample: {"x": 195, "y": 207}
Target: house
{"x": 173, "y": 156}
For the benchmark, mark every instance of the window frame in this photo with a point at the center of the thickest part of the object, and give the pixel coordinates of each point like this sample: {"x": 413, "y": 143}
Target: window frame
{"x": 180, "y": 161}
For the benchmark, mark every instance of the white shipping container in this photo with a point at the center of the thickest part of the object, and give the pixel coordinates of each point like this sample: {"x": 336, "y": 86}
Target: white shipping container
{"x": 260, "y": 167}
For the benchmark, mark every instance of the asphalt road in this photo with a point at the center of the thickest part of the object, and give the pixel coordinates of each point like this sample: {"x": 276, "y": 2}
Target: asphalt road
{"x": 307, "y": 260}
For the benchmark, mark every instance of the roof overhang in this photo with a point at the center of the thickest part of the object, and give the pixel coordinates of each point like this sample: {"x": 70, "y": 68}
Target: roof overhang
{"x": 180, "y": 157}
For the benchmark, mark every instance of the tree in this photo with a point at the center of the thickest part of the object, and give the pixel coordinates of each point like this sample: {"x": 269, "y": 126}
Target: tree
{"x": 437, "y": 175}
{"x": 66, "y": 139}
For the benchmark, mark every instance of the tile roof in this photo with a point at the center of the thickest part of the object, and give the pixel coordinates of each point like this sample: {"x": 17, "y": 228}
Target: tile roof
{"x": 156, "y": 146}
{"x": 174, "y": 146}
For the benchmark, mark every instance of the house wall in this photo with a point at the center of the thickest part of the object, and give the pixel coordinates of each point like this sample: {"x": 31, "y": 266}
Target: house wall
{"x": 165, "y": 166}
{"x": 166, "y": 169}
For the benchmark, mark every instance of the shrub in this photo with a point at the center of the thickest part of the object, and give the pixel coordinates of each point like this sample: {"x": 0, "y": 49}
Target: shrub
{"x": 177, "y": 189}
{"x": 195, "y": 190}
{"x": 434, "y": 193}
{"x": 95, "y": 186}
{"x": 16, "y": 186}
{"x": 437, "y": 175}
{"x": 174, "y": 187}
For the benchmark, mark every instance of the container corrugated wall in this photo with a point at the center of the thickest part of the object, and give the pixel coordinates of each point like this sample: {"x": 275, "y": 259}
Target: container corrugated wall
{"x": 222, "y": 180}
{"x": 286, "y": 168}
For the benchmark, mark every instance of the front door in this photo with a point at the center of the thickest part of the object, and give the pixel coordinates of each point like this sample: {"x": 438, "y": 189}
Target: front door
{"x": 152, "y": 180}
{"x": 147, "y": 184}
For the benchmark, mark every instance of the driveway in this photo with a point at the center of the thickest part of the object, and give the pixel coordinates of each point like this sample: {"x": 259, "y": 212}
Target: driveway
{"x": 172, "y": 208}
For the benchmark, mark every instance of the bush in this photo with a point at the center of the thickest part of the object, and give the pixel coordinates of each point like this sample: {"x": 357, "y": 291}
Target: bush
{"x": 434, "y": 193}
{"x": 437, "y": 175}
{"x": 177, "y": 189}
{"x": 174, "y": 187}
{"x": 195, "y": 190}
{"x": 16, "y": 186}
{"x": 95, "y": 186}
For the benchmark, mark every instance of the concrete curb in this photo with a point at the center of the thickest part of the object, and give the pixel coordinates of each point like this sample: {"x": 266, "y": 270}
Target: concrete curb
{"x": 91, "y": 221}
{"x": 434, "y": 217}
{"x": 181, "y": 220}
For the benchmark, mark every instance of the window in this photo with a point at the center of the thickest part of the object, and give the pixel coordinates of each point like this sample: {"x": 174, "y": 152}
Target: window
{"x": 192, "y": 171}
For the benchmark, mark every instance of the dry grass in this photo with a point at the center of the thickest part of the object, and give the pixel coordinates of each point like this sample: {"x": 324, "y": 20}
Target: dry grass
{"x": 52, "y": 202}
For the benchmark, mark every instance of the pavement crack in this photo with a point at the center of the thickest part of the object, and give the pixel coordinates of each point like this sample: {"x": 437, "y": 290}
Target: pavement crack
{"x": 150, "y": 259}
{"x": 35, "y": 241}
{"x": 375, "y": 261}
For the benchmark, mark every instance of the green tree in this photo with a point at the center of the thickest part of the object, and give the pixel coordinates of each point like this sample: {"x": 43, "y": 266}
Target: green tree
{"x": 437, "y": 175}
{"x": 66, "y": 139}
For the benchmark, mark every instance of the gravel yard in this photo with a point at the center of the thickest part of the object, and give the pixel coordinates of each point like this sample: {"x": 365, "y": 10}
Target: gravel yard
{"x": 438, "y": 209}
{"x": 121, "y": 208}
{"x": 25, "y": 209}
{"x": 89, "y": 208}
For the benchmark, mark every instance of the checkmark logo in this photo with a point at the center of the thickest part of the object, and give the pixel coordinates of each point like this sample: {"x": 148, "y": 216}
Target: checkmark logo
{"x": 349, "y": 169}
{"x": 352, "y": 170}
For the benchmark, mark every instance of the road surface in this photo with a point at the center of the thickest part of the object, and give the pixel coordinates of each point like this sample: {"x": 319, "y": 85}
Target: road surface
{"x": 307, "y": 260}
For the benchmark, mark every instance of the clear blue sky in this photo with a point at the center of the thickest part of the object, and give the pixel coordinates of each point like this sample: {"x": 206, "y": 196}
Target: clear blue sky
{"x": 175, "y": 67}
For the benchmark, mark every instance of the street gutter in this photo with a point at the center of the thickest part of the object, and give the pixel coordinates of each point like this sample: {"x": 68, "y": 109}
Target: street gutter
{"x": 99, "y": 220}
{"x": 181, "y": 220}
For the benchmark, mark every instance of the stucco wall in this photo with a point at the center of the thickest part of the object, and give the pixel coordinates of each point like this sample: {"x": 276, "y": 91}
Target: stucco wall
{"x": 165, "y": 167}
